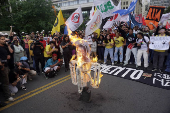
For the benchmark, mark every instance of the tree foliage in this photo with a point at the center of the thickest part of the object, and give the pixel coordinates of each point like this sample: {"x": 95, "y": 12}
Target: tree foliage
{"x": 167, "y": 10}
{"x": 29, "y": 15}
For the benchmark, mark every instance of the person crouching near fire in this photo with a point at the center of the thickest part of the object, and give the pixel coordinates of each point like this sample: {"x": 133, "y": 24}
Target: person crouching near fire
{"x": 52, "y": 66}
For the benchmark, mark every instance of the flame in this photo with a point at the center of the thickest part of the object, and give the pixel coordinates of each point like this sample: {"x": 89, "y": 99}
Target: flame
{"x": 84, "y": 63}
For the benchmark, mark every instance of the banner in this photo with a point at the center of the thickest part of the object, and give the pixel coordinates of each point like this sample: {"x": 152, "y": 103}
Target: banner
{"x": 143, "y": 21}
{"x": 106, "y": 7}
{"x": 164, "y": 17}
{"x": 91, "y": 12}
{"x": 150, "y": 78}
{"x": 154, "y": 15}
{"x": 58, "y": 22}
{"x": 129, "y": 10}
{"x": 159, "y": 42}
{"x": 75, "y": 20}
{"x": 114, "y": 18}
{"x": 94, "y": 23}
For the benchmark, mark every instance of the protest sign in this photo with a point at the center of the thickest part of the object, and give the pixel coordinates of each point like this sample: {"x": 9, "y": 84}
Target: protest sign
{"x": 159, "y": 42}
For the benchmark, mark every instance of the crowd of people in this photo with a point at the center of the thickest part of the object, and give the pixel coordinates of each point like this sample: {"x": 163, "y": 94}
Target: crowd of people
{"x": 21, "y": 56}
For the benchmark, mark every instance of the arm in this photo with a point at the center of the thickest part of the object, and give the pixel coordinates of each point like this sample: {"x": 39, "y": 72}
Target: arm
{"x": 15, "y": 83}
{"x": 26, "y": 69}
{"x": 65, "y": 46}
{"x": 54, "y": 64}
{"x": 10, "y": 34}
{"x": 10, "y": 49}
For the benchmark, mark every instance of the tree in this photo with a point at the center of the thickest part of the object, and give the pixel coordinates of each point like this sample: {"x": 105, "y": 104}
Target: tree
{"x": 31, "y": 15}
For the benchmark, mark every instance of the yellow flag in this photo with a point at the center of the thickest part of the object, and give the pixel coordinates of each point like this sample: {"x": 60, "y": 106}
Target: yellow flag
{"x": 58, "y": 22}
{"x": 98, "y": 32}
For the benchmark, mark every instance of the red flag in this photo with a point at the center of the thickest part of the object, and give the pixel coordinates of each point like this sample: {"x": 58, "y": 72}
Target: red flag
{"x": 130, "y": 46}
{"x": 143, "y": 21}
{"x": 167, "y": 25}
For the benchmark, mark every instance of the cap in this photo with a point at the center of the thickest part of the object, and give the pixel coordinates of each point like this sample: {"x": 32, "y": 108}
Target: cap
{"x": 22, "y": 32}
{"x": 6, "y": 34}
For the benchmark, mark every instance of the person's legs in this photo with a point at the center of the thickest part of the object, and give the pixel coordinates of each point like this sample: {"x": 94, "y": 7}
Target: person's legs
{"x": 115, "y": 54}
{"x": 128, "y": 52}
{"x": 105, "y": 54}
{"x": 134, "y": 51}
{"x": 168, "y": 64}
{"x": 155, "y": 59}
{"x": 42, "y": 62}
{"x": 139, "y": 55}
{"x": 111, "y": 54}
{"x": 99, "y": 53}
{"x": 27, "y": 52}
{"x": 33, "y": 62}
{"x": 5, "y": 82}
{"x": 161, "y": 59}
{"x": 102, "y": 53}
{"x": 37, "y": 60}
{"x": 145, "y": 56}
{"x": 13, "y": 89}
{"x": 121, "y": 54}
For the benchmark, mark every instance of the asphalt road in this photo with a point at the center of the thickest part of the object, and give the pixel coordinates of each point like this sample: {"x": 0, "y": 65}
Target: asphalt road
{"x": 115, "y": 95}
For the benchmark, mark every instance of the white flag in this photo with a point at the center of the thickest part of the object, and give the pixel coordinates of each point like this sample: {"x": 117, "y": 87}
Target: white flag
{"x": 106, "y": 7}
{"x": 75, "y": 20}
{"x": 91, "y": 12}
{"x": 125, "y": 18}
{"x": 109, "y": 23}
{"x": 94, "y": 23}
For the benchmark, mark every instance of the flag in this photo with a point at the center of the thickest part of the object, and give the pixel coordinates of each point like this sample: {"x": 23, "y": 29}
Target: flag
{"x": 106, "y": 7}
{"x": 94, "y": 23}
{"x": 58, "y": 22}
{"x": 124, "y": 18}
{"x": 143, "y": 21}
{"x": 114, "y": 18}
{"x": 75, "y": 20}
{"x": 65, "y": 30}
{"x": 167, "y": 25}
{"x": 133, "y": 21}
{"x": 129, "y": 10}
{"x": 98, "y": 32}
{"x": 91, "y": 12}
{"x": 154, "y": 16}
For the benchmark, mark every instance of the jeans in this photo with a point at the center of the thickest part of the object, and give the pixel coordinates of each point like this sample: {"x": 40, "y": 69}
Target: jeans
{"x": 100, "y": 53}
{"x": 33, "y": 62}
{"x": 120, "y": 50}
{"x": 128, "y": 53}
{"x": 151, "y": 52}
{"x": 39, "y": 59}
{"x": 110, "y": 51}
{"x": 145, "y": 56}
{"x": 168, "y": 64}
{"x": 161, "y": 57}
{"x": 67, "y": 57}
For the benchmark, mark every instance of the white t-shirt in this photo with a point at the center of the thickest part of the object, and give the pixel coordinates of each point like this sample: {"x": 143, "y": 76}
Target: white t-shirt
{"x": 94, "y": 46}
{"x": 142, "y": 42}
{"x": 136, "y": 32}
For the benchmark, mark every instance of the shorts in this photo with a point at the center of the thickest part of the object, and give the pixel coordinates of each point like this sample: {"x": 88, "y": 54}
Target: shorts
{"x": 54, "y": 68}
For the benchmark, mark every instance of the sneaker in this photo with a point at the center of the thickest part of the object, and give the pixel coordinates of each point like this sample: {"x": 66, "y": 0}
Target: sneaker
{"x": 104, "y": 63}
{"x": 115, "y": 62}
{"x": 160, "y": 70}
{"x": 130, "y": 62}
{"x": 12, "y": 94}
{"x": 121, "y": 63}
{"x": 45, "y": 76}
{"x": 136, "y": 66}
{"x": 11, "y": 99}
{"x": 139, "y": 67}
{"x": 23, "y": 88}
{"x": 124, "y": 64}
{"x": 2, "y": 104}
{"x": 145, "y": 68}
{"x": 154, "y": 69}
{"x": 112, "y": 64}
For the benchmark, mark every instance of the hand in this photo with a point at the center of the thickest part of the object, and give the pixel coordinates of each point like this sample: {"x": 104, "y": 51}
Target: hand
{"x": 8, "y": 57}
{"x": 18, "y": 79}
{"x": 19, "y": 67}
{"x": 147, "y": 51}
{"x": 138, "y": 44}
{"x": 24, "y": 76}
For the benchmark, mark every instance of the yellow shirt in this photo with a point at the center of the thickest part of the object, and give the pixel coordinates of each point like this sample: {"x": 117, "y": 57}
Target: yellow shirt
{"x": 47, "y": 49}
{"x": 119, "y": 41}
{"x": 30, "y": 51}
{"x": 108, "y": 46}
{"x": 160, "y": 50}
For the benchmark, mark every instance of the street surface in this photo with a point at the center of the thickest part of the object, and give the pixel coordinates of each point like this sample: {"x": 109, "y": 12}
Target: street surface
{"x": 115, "y": 95}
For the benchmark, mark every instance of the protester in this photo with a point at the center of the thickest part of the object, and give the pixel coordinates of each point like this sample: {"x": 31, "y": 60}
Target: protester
{"x": 119, "y": 43}
{"x": 67, "y": 51}
{"x": 18, "y": 51}
{"x": 143, "y": 50}
{"x": 108, "y": 43}
{"x": 100, "y": 47}
{"x": 38, "y": 50}
{"x": 93, "y": 48}
{"x": 132, "y": 47}
{"x": 4, "y": 70}
{"x": 51, "y": 66}
{"x": 49, "y": 49}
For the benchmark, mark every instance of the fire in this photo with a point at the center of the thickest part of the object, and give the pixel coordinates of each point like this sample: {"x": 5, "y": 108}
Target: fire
{"x": 80, "y": 64}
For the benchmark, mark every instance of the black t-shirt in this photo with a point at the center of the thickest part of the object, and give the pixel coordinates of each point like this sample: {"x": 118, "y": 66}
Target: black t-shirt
{"x": 66, "y": 49}
{"x": 100, "y": 41}
{"x": 4, "y": 51}
{"x": 131, "y": 39}
{"x": 12, "y": 77}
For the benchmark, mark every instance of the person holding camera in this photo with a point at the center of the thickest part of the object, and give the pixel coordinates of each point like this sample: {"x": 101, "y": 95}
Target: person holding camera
{"x": 38, "y": 49}
{"x": 4, "y": 70}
